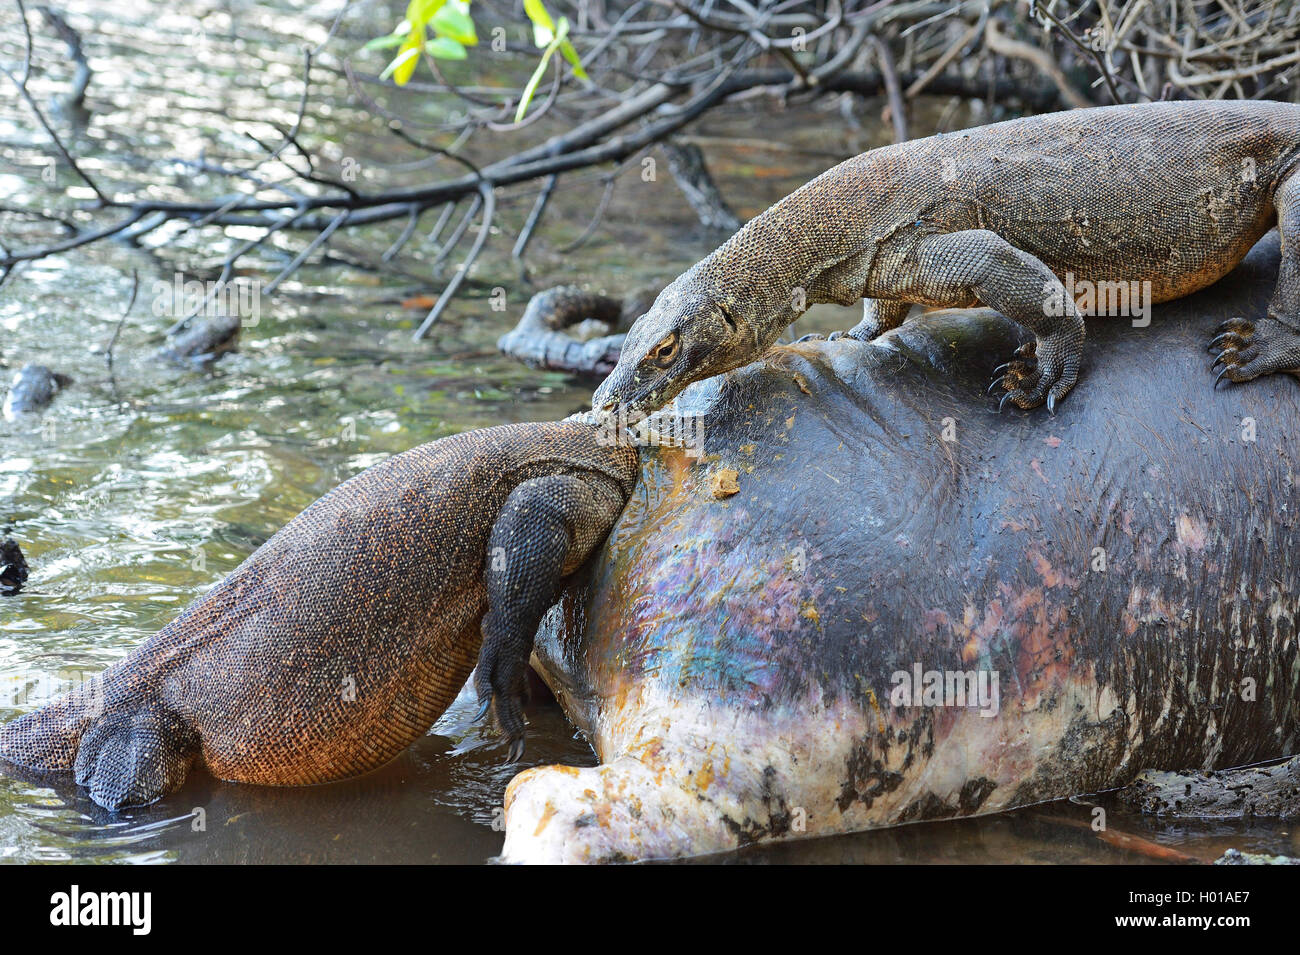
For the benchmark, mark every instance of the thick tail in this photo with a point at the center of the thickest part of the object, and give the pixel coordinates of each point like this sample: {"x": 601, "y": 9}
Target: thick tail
{"x": 48, "y": 738}
{"x": 125, "y": 755}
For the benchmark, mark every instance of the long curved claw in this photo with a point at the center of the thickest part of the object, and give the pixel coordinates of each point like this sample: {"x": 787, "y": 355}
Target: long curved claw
{"x": 1226, "y": 369}
{"x": 1003, "y": 402}
{"x": 516, "y": 752}
{"x": 483, "y": 707}
{"x": 1004, "y": 366}
{"x": 1220, "y": 360}
{"x": 1051, "y": 403}
{"x": 1223, "y": 338}
{"x": 996, "y": 382}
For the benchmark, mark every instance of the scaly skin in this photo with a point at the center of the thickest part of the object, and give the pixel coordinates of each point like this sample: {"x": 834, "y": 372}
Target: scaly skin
{"x": 340, "y": 641}
{"x": 1173, "y": 194}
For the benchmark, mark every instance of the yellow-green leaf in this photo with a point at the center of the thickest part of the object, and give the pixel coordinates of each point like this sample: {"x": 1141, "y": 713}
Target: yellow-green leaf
{"x": 531, "y": 88}
{"x": 385, "y": 42}
{"x": 445, "y": 48}
{"x": 403, "y": 66}
{"x": 418, "y": 12}
{"x": 570, "y": 54}
{"x": 455, "y": 25}
{"x": 543, "y": 25}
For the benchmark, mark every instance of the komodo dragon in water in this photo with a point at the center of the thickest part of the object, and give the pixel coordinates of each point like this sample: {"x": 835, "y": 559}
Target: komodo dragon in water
{"x": 339, "y": 641}
{"x": 1173, "y": 194}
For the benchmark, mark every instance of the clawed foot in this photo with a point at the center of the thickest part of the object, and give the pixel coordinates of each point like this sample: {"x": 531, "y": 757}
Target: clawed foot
{"x": 1250, "y": 349}
{"x": 501, "y": 686}
{"x": 510, "y": 718}
{"x": 1016, "y": 376}
{"x": 1040, "y": 371}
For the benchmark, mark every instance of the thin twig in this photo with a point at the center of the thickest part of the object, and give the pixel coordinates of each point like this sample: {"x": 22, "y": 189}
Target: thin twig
{"x": 489, "y": 208}
{"x": 117, "y": 330}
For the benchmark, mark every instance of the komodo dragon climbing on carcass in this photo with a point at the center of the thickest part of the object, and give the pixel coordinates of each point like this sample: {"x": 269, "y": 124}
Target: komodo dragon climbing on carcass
{"x": 339, "y": 641}
{"x": 1173, "y": 194}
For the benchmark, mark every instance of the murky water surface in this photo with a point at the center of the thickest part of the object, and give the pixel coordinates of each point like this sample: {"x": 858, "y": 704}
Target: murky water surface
{"x": 146, "y": 482}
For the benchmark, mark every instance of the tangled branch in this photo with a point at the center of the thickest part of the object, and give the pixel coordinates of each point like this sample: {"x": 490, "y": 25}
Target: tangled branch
{"x": 652, "y": 68}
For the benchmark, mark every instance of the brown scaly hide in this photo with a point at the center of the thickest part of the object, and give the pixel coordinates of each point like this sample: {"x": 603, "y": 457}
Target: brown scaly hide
{"x": 333, "y": 647}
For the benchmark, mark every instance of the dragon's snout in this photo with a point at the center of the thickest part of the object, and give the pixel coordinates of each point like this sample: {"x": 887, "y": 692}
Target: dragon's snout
{"x": 613, "y": 393}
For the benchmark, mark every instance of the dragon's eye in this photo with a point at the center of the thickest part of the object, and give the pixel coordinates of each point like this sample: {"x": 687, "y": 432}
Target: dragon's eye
{"x": 665, "y": 353}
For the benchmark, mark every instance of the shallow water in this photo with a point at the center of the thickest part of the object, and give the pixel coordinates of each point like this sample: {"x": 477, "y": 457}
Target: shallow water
{"x": 146, "y": 482}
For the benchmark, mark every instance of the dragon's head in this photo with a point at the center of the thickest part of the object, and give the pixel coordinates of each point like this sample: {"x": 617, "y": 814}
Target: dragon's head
{"x": 687, "y": 335}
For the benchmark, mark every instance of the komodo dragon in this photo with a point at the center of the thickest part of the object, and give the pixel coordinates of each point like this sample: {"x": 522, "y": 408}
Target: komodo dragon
{"x": 1173, "y": 194}
{"x": 339, "y": 641}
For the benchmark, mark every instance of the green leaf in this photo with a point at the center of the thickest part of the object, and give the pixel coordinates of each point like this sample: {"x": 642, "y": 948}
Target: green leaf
{"x": 558, "y": 42}
{"x": 454, "y": 24}
{"x": 566, "y": 49}
{"x": 570, "y": 54}
{"x": 445, "y": 48}
{"x": 533, "y": 80}
{"x": 543, "y": 25}
{"x": 386, "y": 42}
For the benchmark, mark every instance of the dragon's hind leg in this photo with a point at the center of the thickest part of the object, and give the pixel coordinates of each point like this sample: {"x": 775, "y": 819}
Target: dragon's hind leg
{"x": 1249, "y": 349}
{"x": 878, "y": 317}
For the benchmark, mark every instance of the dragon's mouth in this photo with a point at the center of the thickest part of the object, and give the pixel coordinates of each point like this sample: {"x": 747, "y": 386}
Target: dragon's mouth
{"x": 629, "y": 408}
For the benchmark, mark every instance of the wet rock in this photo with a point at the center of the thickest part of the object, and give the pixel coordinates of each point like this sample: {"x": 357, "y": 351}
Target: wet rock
{"x": 32, "y": 389}
{"x": 1260, "y": 792}
{"x": 13, "y": 567}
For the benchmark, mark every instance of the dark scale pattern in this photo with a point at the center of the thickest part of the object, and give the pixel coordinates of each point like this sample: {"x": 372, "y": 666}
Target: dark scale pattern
{"x": 341, "y": 640}
{"x": 1173, "y": 194}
